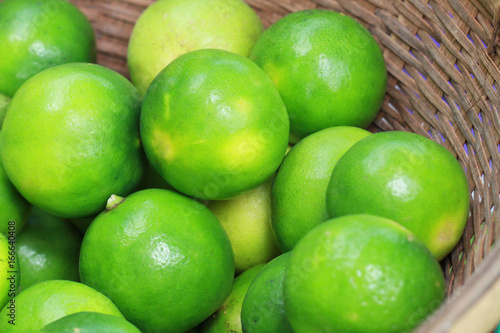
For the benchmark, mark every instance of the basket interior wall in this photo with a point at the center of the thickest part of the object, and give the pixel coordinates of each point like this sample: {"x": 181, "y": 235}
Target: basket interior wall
{"x": 442, "y": 84}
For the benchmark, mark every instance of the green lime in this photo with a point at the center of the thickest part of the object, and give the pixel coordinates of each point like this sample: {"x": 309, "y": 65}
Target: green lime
{"x": 48, "y": 301}
{"x": 263, "y": 308}
{"x": 247, "y": 221}
{"x": 361, "y": 273}
{"x": 328, "y": 68}
{"x": 168, "y": 262}
{"x": 168, "y": 29}
{"x": 48, "y": 249}
{"x": 4, "y": 103}
{"x": 13, "y": 207}
{"x": 407, "y": 178}
{"x": 299, "y": 189}
{"x": 71, "y": 139}
{"x": 36, "y": 35}
{"x": 213, "y": 125}
{"x": 9, "y": 270}
{"x": 90, "y": 322}
{"x": 228, "y": 318}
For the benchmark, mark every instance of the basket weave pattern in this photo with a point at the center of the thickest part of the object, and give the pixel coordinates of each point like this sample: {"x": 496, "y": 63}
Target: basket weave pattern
{"x": 442, "y": 85}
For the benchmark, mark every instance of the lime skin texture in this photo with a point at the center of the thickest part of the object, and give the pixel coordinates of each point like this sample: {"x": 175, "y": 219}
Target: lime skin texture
{"x": 361, "y": 273}
{"x": 169, "y": 29}
{"x": 247, "y": 221}
{"x": 263, "y": 308}
{"x": 71, "y": 139}
{"x": 162, "y": 258}
{"x": 48, "y": 248}
{"x": 228, "y": 318}
{"x": 308, "y": 165}
{"x": 48, "y": 301}
{"x": 13, "y": 207}
{"x": 36, "y": 35}
{"x": 90, "y": 322}
{"x": 407, "y": 178}
{"x": 328, "y": 68}
{"x": 213, "y": 125}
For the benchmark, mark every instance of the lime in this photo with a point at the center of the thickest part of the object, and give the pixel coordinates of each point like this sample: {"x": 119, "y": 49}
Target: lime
{"x": 328, "y": 68}
{"x": 168, "y": 29}
{"x": 36, "y": 35}
{"x": 247, "y": 221}
{"x": 228, "y": 318}
{"x": 4, "y": 103}
{"x": 71, "y": 139}
{"x": 407, "y": 178}
{"x": 90, "y": 322}
{"x": 48, "y": 249}
{"x": 13, "y": 207}
{"x": 361, "y": 273}
{"x": 263, "y": 308}
{"x": 9, "y": 269}
{"x": 48, "y": 301}
{"x": 213, "y": 125}
{"x": 168, "y": 262}
{"x": 299, "y": 189}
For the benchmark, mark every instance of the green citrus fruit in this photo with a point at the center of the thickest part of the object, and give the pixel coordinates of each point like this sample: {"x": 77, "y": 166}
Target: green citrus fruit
{"x": 213, "y": 125}
{"x": 13, "y": 207}
{"x": 168, "y": 29}
{"x": 9, "y": 270}
{"x": 90, "y": 322}
{"x": 49, "y": 301}
{"x": 228, "y": 318}
{"x": 247, "y": 221}
{"x": 328, "y": 68}
{"x": 168, "y": 262}
{"x": 361, "y": 273}
{"x": 48, "y": 249}
{"x": 407, "y": 178}
{"x": 71, "y": 139}
{"x": 4, "y": 103}
{"x": 36, "y": 35}
{"x": 263, "y": 308}
{"x": 299, "y": 189}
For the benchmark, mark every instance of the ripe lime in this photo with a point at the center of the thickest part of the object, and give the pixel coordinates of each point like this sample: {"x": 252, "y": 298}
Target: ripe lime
{"x": 90, "y": 322}
{"x": 4, "y": 103}
{"x": 48, "y": 301}
{"x": 247, "y": 221}
{"x": 361, "y": 273}
{"x": 407, "y": 178}
{"x": 228, "y": 318}
{"x": 327, "y": 67}
{"x": 71, "y": 139}
{"x": 299, "y": 189}
{"x": 9, "y": 281}
{"x": 168, "y": 262}
{"x": 47, "y": 249}
{"x": 263, "y": 310}
{"x": 36, "y": 35}
{"x": 13, "y": 207}
{"x": 213, "y": 125}
{"x": 168, "y": 29}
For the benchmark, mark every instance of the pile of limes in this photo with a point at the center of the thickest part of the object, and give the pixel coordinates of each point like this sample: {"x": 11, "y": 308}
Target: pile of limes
{"x": 230, "y": 186}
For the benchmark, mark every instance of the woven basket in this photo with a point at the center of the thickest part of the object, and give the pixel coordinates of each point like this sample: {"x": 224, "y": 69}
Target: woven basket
{"x": 442, "y": 84}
